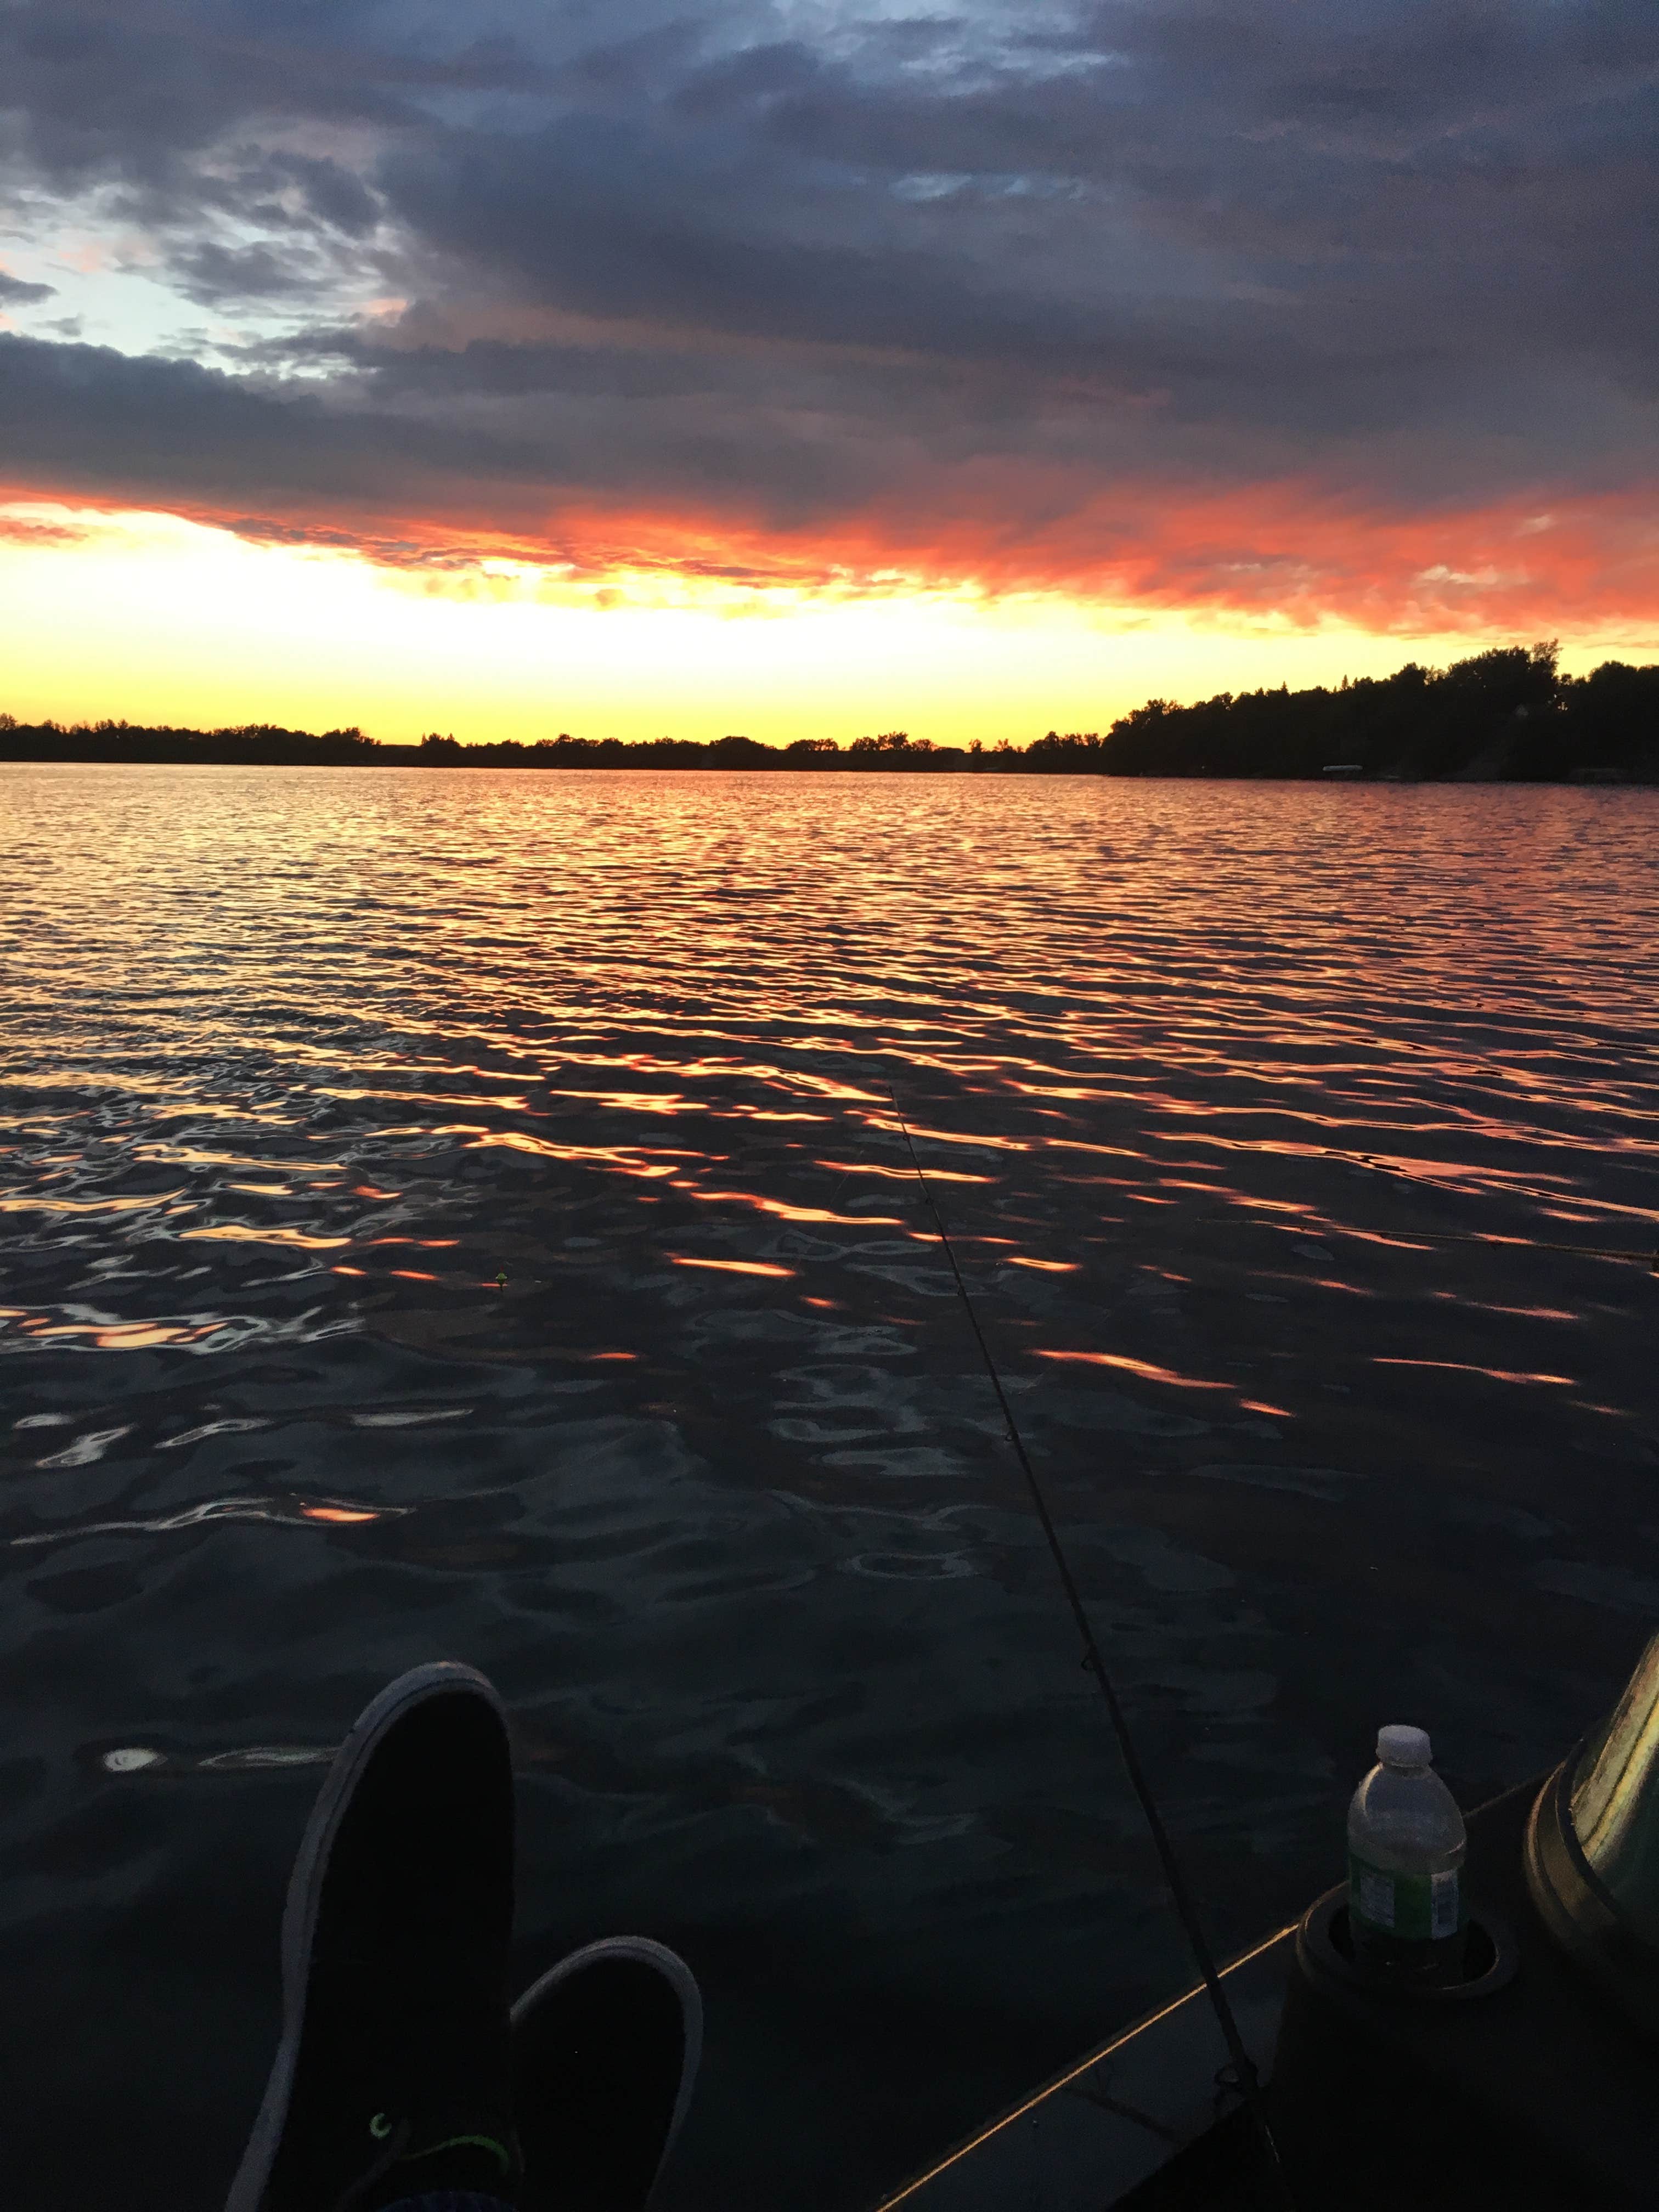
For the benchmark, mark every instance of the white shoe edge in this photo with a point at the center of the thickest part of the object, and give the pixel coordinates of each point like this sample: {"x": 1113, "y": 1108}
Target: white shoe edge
{"x": 304, "y": 1885}
{"x": 674, "y": 1971}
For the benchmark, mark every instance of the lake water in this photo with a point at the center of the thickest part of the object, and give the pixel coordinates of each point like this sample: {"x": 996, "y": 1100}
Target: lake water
{"x": 1211, "y": 1080}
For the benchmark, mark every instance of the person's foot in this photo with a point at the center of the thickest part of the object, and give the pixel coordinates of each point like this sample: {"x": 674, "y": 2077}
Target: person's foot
{"x": 605, "y": 2048}
{"x": 393, "y": 2074}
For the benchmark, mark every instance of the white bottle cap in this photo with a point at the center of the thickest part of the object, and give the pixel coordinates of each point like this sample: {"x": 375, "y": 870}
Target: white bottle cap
{"x": 1397, "y": 1745}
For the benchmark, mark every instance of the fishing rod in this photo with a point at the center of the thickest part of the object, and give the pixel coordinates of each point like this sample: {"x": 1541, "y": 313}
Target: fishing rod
{"x": 1244, "y": 2066}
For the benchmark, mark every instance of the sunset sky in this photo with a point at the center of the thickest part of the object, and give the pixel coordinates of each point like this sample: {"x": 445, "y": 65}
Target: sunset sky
{"x": 810, "y": 367}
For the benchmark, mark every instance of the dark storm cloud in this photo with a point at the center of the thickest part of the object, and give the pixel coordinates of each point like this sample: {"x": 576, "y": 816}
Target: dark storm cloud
{"x": 612, "y": 222}
{"x": 332, "y": 193}
{"x": 92, "y": 415}
{"x": 212, "y": 274}
{"x": 88, "y": 419}
{"x": 1385, "y": 247}
{"x": 14, "y": 292}
{"x": 101, "y": 93}
{"x": 1195, "y": 195}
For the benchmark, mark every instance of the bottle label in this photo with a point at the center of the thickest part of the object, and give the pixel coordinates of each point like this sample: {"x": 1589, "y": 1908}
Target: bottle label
{"x": 1413, "y": 1908}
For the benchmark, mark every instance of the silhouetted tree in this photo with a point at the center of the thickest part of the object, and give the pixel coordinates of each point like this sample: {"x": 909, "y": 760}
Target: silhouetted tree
{"x": 1507, "y": 713}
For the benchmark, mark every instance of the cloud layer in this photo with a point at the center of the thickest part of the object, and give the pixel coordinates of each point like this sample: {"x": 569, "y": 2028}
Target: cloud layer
{"x": 1332, "y": 306}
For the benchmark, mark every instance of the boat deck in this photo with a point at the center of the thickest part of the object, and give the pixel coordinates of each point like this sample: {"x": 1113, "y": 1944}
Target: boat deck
{"x": 1537, "y": 2094}
{"x": 1142, "y": 2109}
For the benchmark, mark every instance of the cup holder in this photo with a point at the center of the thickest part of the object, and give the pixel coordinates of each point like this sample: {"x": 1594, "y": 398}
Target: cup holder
{"x": 1325, "y": 1952}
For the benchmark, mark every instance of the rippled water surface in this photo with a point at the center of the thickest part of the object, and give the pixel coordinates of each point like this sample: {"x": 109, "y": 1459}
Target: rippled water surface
{"x": 1266, "y": 1119}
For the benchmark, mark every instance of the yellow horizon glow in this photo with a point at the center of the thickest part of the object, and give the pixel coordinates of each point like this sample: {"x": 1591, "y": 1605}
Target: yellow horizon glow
{"x": 156, "y": 619}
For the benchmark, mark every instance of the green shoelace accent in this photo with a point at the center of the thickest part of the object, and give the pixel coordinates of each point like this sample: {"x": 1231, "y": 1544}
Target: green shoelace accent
{"x": 380, "y": 2127}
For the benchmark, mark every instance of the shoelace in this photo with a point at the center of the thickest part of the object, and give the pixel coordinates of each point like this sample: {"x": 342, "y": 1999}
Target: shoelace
{"x": 396, "y": 2136}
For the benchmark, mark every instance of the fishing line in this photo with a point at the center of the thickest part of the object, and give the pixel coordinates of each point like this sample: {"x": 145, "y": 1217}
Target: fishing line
{"x": 1244, "y": 2066}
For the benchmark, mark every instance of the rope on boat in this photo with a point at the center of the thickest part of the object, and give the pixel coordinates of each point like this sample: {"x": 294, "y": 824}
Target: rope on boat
{"x": 1243, "y": 2065}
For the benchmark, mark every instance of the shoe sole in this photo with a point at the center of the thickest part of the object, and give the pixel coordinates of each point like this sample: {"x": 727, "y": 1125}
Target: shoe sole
{"x": 674, "y": 1971}
{"x": 442, "y": 1677}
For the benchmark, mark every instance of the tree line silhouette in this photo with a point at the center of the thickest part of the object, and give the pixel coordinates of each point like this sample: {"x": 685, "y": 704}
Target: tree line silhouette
{"x": 1505, "y": 715}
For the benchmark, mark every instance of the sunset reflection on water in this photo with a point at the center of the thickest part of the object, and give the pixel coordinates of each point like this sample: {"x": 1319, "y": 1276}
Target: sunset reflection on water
{"x": 1268, "y": 1121}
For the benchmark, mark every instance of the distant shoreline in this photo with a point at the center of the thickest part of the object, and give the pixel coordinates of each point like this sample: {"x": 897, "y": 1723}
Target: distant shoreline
{"x": 409, "y": 758}
{"x": 1503, "y": 716}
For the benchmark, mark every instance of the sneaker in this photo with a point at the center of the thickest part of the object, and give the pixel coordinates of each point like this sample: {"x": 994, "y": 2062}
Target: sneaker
{"x": 392, "y": 2077}
{"x": 604, "y": 2057}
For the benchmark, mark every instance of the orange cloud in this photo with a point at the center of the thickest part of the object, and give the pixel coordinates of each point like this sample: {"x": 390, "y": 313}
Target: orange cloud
{"x": 1532, "y": 565}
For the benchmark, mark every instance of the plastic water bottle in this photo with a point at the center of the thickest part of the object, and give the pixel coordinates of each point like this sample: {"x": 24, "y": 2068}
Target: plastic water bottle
{"x": 1406, "y": 1843}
